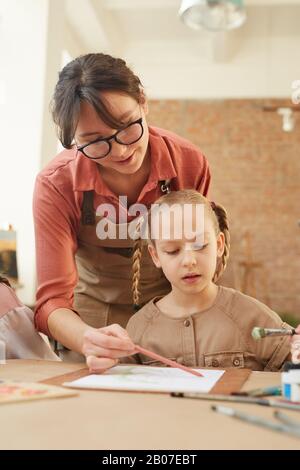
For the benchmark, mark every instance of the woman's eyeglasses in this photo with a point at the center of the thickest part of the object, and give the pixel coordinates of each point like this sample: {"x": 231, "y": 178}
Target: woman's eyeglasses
{"x": 101, "y": 147}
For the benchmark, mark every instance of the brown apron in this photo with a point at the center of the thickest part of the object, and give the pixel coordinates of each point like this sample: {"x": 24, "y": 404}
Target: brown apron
{"x": 103, "y": 294}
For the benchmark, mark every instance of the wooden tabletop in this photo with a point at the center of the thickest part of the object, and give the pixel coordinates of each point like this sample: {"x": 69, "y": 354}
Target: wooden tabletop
{"x": 127, "y": 420}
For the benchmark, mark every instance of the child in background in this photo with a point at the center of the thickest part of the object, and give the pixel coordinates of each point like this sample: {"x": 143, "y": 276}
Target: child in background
{"x": 295, "y": 349}
{"x": 17, "y": 330}
{"x": 200, "y": 324}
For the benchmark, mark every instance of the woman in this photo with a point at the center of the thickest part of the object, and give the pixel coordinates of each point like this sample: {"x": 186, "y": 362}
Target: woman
{"x": 112, "y": 160}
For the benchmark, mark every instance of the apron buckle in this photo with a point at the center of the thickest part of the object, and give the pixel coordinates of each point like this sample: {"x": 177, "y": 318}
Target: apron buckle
{"x": 165, "y": 186}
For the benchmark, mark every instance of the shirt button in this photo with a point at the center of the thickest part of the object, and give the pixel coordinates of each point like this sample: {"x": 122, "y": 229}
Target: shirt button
{"x": 236, "y": 362}
{"x": 186, "y": 322}
{"x": 215, "y": 363}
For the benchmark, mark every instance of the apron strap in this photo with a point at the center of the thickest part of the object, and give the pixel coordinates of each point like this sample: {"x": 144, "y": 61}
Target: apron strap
{"x": 87, "y": 208}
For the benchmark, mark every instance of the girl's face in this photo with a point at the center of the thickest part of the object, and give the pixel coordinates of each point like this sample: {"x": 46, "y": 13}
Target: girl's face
{"x": 189, "y": 263}
{"x": 125, "y": 159}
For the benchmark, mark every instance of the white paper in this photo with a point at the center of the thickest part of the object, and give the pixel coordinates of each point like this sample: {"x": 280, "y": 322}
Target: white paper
{"x": 149, "y": 379}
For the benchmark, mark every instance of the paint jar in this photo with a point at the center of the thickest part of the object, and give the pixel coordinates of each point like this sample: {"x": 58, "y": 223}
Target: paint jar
{"x": 291, "y": 385}
{"x": 2, "y": 352}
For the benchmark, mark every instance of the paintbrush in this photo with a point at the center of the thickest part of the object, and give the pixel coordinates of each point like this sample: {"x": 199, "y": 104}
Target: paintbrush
{"x": 166, "y": 361}
{"x": 283, "y": 404}
{"x": 259, "y": 333}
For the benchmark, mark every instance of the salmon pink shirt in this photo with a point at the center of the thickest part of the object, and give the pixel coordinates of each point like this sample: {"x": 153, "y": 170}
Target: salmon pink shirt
{"x": 57, "y": 204}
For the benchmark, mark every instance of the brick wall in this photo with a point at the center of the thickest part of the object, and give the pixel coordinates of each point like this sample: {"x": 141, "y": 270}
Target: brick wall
{"x": 255, "y": 174}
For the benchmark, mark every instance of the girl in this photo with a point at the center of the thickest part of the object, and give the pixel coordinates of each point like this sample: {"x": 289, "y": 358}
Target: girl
{"x": 84, "y": 278}
{"x": 17, "y": 331}
{"x": 198, "y": 323}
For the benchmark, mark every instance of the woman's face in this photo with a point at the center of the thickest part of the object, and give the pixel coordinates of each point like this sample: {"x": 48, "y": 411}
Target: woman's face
{"x": 126, "y": 159}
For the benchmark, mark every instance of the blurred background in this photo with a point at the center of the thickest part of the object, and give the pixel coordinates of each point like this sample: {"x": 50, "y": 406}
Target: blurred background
{"x": 224, "y": 74}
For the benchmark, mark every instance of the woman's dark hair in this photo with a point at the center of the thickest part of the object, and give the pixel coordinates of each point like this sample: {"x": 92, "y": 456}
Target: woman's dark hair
{"x": 82, "y": 80}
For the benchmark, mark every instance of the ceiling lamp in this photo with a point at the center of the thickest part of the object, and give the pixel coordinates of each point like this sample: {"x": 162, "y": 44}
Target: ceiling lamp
{"x": 214, "y": 15}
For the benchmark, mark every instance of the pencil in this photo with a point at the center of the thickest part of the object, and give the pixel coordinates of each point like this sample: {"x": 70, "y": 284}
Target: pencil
{"x": 262, "y": 392}
{"x": 279, "y": 427}
{"x": 286, "y": 420}
{"x": 228, "y": 398}
{"x": 284, "y": 404}
{"x": 166, "y": 361}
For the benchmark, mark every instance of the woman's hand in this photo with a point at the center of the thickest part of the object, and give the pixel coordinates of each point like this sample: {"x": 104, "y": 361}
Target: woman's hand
{"x": 295, "y": 349}
{"x": 102, "y": 347}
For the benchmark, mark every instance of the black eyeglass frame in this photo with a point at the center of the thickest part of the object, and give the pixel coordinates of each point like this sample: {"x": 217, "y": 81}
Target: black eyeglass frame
{"x": 112, "y": 137}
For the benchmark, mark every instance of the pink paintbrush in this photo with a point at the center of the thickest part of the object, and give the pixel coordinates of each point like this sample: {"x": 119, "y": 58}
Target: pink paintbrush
{"x": 166, "y": 361}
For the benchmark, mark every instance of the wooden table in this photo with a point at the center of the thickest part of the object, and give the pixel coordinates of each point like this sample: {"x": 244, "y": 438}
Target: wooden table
{"x": 115, "y": 420}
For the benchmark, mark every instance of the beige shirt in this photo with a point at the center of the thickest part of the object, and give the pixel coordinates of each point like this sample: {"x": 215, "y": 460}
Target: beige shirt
{"x": 217, "y": 337}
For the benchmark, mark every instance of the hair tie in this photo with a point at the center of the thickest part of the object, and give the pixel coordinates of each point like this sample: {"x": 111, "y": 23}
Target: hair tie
{"x": 213, "y": 205}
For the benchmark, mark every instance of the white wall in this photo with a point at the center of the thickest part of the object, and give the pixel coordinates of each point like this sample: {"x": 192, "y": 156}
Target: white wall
{"x": 24, "y": 121}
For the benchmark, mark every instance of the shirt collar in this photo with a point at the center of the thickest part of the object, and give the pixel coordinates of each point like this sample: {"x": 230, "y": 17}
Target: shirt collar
{"x": 162, "y": 167}
{"x": 87, "y": 177}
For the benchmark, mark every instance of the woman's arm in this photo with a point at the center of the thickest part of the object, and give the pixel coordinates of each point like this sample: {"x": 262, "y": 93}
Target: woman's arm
{"x": 55, "y": 238}
{"x": 102, "y": 347}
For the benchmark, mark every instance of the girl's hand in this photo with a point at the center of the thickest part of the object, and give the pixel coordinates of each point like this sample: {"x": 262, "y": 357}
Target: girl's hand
{"x": 295, "y": 349}
{"x": 103, "y": 346}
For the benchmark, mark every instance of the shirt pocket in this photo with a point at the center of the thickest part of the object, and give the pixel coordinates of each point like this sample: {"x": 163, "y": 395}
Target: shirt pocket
{"x": 225, "y": 359}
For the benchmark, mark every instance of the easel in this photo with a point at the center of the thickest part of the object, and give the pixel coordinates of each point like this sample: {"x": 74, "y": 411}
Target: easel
{"x": 252, "y": 273}
{"x": 8, "y": 256}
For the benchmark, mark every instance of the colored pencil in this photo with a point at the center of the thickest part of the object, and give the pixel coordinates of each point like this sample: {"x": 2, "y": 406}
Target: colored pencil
{"x": 166, "y": 361}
